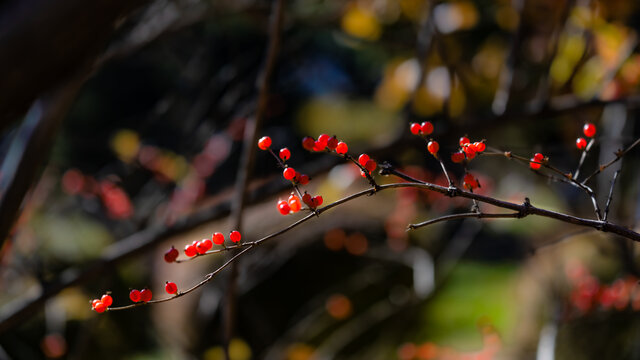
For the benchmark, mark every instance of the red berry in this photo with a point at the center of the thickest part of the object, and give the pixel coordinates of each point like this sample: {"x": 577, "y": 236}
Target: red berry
{"x": 332, "y": 144}
{"x": 285, "y": 154}
{"x": 589, "y": 130}
{"x": 100, "y": 307}
{"x": 433, "y": 147}
{"x": 306, "y": 198}
{"x": 464, "y": 140}
{"x": 207, "y": 244}
{"x": 370, "y": 165}
{"x": 342, "y": 148}
{"x": 363, "y": 158}
{"x": 134, "y": 295}
{"x": 303, "y": 179}
{"x": 217, "y": 238}
{"x": 294, "y": 203}
{"x": 201, "y": 248}
{"x": 469, "y": 150}
{"x": 235, "y": 236}
{"x": 190, "y": 250}
{"x": 107, "y": 300}
{"x": 426, "y": 128}
{"x": 538, "y": 157}
{"x": 171, "y": 255}
{"x": 581, "y": 143}
{"x": 289, "y": 173}
{"x": 264, "y": 143}
{"x": 145, "y": 295}
{"x": 171, "y": 287}
{"x": 415, "y": 128}
{"x": 457, "y": 157}
{"x": 283, "y": 207}
{"x": 308, "y": 143}
{"x": 534, "y": 165}
{"x": 317, "y": 200}
{"x": 479, "y": 146}
{"x": 364, "y": 174}
{"x": 470, "y": 182}
{"x": 324, "y": 139}
{"x": 318, "y": 146}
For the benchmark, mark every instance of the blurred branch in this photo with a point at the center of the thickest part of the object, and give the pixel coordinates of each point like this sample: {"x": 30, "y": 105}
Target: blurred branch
{"x": 43, "y": 43}
{"x": 505, "y": 79}
{"x": 253, "y": 127}
{"x": 30, "y": 149}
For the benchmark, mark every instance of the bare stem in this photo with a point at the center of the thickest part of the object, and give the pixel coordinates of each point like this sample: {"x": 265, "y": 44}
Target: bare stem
{"x": 619, "y": 155}
{"x": 613, "y": 183}
{"x": 478, "y": 215}
{"x": 582, "y": 158}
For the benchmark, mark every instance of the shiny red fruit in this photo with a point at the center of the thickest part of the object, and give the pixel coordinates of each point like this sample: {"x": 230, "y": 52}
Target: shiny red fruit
{"x": 433, "y": 147}
{"x": 415, "y": 128}
{"x": 289, "y": 173}
{"x": 581, "y": 143}
{"x": 106, "y": 299}
{"x": 285, "y": 154}
{"x": 457, "y": 157}
{"x": 308, "y": 143}
{"x": 426, "y": 128}
{"x": 235, "y": 236}
{"x": 370, "y": 165}
{"x": 134, "y": 295}
{"x": 145, "y": 295}
{"x": 589, "y": 130}
{"x": 264, "y": 143}
{"x": 171, "y": 255}
{"x": 217, "y": 238}
{"x": 332, "y": 144}
{"x": 363, "y": 158}
{"x": 190, "y": 250}
{"x": 171, "y": 287}
{"x": 464, "y": 140}
{"x": 342, "y": 148}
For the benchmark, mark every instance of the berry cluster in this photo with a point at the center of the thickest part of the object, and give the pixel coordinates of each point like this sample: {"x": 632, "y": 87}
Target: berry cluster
{"x": 325, "y": 142}
{"x": 284, "y": 154}
{"x": 491, "y": 345}
{"x": 312, "y": 201}
{"x": 100, "y": 305}
{"x": 468, "y": 150}
{"x": 290, "y": 206}
{"x": 367, "y": 163}
{"x": 470, "y": 182}
{"x": 424, "y": 129}
{"x": 588, "y": 294}
{"x": 589, "y": 130}
{"x": 143, "y": 295}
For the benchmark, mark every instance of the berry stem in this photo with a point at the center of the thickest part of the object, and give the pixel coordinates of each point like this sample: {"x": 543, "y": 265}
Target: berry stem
{"x": 583, "y": 156}
{"x": 613, "y": 183}
{"x": 479, "y": 215}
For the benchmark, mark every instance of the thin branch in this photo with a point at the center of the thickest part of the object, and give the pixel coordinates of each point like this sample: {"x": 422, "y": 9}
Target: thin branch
{"x": 478, "y": 215}
{"x": 522, "y": 210}
{"x": 206, "y": 279}
{"x": 613, "y": 183}
{"x": 619, "y": 155}
{"x": 583, "y": 157}
{"x": 567, "y": 178}
{"x": 248, "y": 159}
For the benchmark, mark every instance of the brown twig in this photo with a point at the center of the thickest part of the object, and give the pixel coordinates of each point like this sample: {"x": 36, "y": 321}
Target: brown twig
{"x": 478, "y": 215}
{"x": 613, "y": 183}
{"x": 619, "y": 155}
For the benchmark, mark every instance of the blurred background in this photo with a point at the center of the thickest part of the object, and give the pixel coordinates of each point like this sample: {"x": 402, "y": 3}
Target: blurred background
{"x": 122, "y": 130}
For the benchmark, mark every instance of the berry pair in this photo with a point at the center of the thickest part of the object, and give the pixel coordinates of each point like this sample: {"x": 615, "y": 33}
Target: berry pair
{"x": 143, "y": 295}
{"x": 426, "y": 128}
{"x": 367, "y": 163}
{"x": 312, "y": 202}
{"x": 289, "y": 206}
{"x": 100, "y": 305}
{"x": 324, "y": 142}
{"x": 589, "y": 130}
